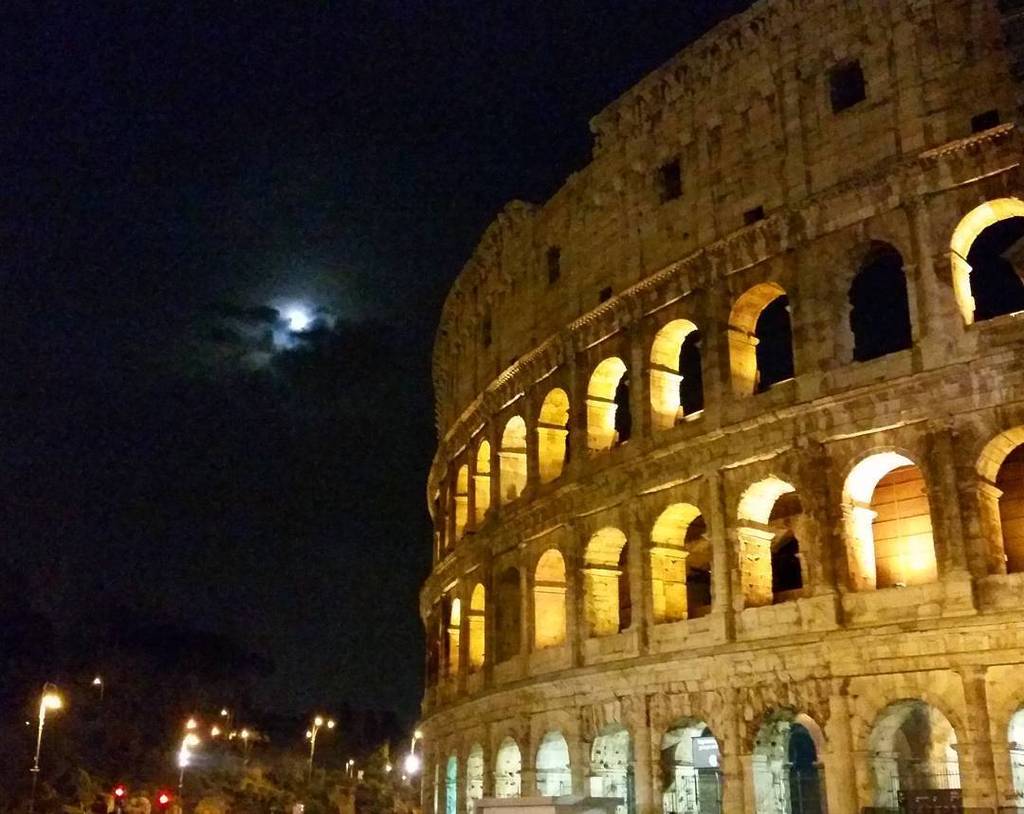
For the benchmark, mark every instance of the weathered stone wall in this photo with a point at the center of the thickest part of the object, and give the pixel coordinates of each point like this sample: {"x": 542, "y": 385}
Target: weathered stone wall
{"x": 747, "y": 110}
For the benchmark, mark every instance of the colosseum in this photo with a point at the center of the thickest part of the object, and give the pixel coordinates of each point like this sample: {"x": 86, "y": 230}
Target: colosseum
{"x": 729, "y": 489}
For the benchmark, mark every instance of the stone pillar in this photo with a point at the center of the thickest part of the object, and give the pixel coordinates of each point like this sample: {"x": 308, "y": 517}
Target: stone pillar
{"x": 840, "y": 770}
{"x": 640, "y": 732}
{"x": 721, "y": 561}
{"x": 490, "y": 630}
{"x": 977, "y": 762}
{"x": 575, "y": 629}
{"x": 529, "y": 414}
{"x": 755, "y": 566}
{"x": 528, "y": 773}
{"x": 947, "y": 527}
{"x": 639, "y": 595}
{"x": 525, "y": 615}
{"x": 464, "y": 639}
{"x": 639, "y": 381}
{"x": 577, "y": 446}
{"x": 734, "y": 787}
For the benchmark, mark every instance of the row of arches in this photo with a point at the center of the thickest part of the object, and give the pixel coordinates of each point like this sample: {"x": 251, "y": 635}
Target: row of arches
{"x": 913, "y": 752}
{"x": 887, "y": 536}
{"x": 987, "y": 252}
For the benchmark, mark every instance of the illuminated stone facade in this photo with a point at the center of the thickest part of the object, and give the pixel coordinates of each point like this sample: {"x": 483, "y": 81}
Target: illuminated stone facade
{"x": 729, "y": 491}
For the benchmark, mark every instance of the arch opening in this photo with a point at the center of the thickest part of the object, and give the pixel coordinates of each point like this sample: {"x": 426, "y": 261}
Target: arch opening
{"x": 549, "y": 589}
{"x": 611, "y": 767}
{"x": 879, "y": 306}
{"x": 474, "y": 776}
{"x": 460, "y": 498}
{"x": 985, "y": 252}
{"x": 606, "y": 583}
{"x": 680, "y": 565}
{"x": 888, "y": 524}
{"x": 786, "y": 766}
{"x": 553, "y": 775}
{"x": 771, "y": 522}
{"x": 760, "y": 339}
{"x": 477, "y": 628}
{"x": 508, "y": 770}
{"x": 1010, "y": 483}
{"x": 1015, "y": 738}
{"x": 454, "y": 626}
{"x": 507, "y": 615}
{"x": 691, "y": 770}
{"x": 609, "y": 422}
{"x": 677, "y": 384}
{"x": 913, "y": 750}
{"x": 451, "y": 785}
{"x": 512, "y": 459}
{"x": 553, "y": 435}
{"x": 482, "y": 482}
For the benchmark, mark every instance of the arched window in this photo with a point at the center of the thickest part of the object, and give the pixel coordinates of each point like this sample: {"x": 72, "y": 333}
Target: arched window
{"x": 888, "y": 524}
{"x": 880, "y": 312}
{"x": 553, "y": 435}
{"x": 451, "y": 785}
{"x": 677, "y": 387}
{"x": 913, "y": 749}
{"x": 770, "y": 517}
{"x": 1015, "y": 738}
{"x": 760, "y": 339}
{"x": 508, "y": 769}
{"x": 608, "y": 417}
{"x": 680, "y": 565}
{"x": 461, "y": 500}
{"x": 986, "y": 254}
{"x": 474, "y": 776}
{"x": 512, "y": 455}
{"x": 611, "y": 767}
{"x": 482, "y": 481}
{"x": 507, "y": 614}
{"x": 553, "y": 776}
{"x": 549, "y": 600}
{"x": 787, "y": 771}
{"x": 606, "y": 581}
{"x": 1001, "y": 492}
{"x": 691, "y": 770}
{"x": 453, "y": 623}
{"x": 477, "y": 628}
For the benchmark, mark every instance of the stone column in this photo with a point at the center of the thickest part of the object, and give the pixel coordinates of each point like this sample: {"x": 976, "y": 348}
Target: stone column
{"x": 947, "y": 527}
{"x": 639, "y": 390}
{"x": 529, "y": 413}
{"x": 977, "y": 762}
{"x": 721, "y": 561}
{"x": 639, "y": 574}
{"x": 640, "y": 732}
{"x": 577, "y": 427}
{"x": 755, "y": 552}
{"x": 575, "y": 630}
{"x": 490, "y": 629}
{"x": 525, "y": 616}
{"x": 734, "y": 785}
{"x": 840, "y": 770}
{"x": 528, "y": 773}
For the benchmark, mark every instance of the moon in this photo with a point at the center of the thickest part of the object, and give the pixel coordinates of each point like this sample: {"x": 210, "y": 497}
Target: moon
{"x": 298, "y": 318}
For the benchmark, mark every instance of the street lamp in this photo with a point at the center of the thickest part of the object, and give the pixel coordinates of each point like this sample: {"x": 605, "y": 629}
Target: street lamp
{"x": 412, "y": 760}
{"x": 50, "y": 700}
{"x": 311, "y": 734}
{"x": 245, "y": 735}
{"x": 98, "y": 684}
{"x": 188, "y": 743}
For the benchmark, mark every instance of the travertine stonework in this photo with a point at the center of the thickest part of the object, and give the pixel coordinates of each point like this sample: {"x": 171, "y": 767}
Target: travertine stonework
{"x": 858, "y": 525}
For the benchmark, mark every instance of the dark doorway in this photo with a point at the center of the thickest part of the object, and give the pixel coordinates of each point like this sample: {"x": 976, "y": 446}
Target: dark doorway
{"x": 880, "y": 312}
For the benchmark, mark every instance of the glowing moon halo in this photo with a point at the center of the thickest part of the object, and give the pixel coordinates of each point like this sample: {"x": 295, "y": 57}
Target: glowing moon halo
{"x": 298, "y": 319}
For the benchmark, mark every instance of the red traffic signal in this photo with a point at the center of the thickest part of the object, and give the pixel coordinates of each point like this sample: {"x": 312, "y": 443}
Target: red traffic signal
{"x": 163, "y": 799}
{"x": 120, "y": 791}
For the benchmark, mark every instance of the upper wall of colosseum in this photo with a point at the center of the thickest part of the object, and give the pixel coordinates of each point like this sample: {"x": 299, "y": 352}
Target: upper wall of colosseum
{"x": 761, "y": 118}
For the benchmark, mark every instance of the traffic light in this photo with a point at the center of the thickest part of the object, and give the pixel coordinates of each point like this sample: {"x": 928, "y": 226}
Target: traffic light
{"x": 120, "y": 792}
{"x": 163, "y": 801}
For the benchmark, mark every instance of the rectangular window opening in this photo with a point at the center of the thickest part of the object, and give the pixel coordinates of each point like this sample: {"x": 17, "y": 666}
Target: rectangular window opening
{"x": 554, "y": 263}
{"x": 846, "y": 86}
{"x": 670, "y": 180}
{"x": 985, "y": 121}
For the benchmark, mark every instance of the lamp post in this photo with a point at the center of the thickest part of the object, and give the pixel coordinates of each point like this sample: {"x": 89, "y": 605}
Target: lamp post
{"x": 311, "y": 734}
{"x": 50, "y": 700}
{"x": 412, "y": 760}
{"x": 189, "y": 742}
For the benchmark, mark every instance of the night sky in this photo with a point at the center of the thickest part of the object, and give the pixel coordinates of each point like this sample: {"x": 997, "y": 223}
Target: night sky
{"x": 174, "y": 180}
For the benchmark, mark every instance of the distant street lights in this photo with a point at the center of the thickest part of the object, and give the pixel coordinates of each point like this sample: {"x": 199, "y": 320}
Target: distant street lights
{"x": 188, "y": 743}
{"x": 311, "y": 734}
{"x": 50, "y": 700}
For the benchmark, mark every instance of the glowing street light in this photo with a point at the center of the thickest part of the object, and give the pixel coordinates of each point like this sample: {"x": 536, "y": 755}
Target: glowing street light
{"x": 191, "y": 724}
{"x": 188, "y": 743}
{"x": 214, "y": 731}
{"x": 413, "y": 762}
{"x": 98, "y": 684}
{"x": 50, "y": 700}
{"x": 311, "y": 734}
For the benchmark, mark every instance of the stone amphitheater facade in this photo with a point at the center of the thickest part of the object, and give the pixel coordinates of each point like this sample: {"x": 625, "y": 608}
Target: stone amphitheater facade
{"x": 729, "y": 489}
